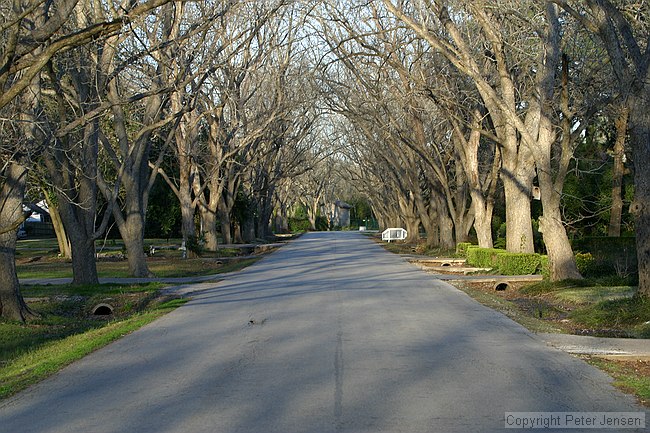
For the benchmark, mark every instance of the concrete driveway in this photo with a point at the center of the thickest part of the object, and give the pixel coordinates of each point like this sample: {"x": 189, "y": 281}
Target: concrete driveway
{"x": 328, "y": 334}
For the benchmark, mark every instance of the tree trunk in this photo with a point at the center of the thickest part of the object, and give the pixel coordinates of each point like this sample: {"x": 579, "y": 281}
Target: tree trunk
{"x": 264, "y": 221}
{"x": 543, "y": 144}
{"x": 188, "y": 230}
{"x": 12, "y": 191}
{"x": 77, "y": 203}
{"x": 462, "y": 227}
{"x": 83, "y": 263}
{"x": 226, "y": 226}
{"x": 248, "y": 229}
{"x": 411, "y": 220}
{"x": 312, "y": 212}
{"x": 560, "y": 255}
{"x": 433, "y": 236}
{"x": 616, "y": 213}
{"x": 640, "y": 207}
{"x": 282, "y": 218}
{"x": 519, "y": 229}
{"x": 65, "y": 250}
{"x": 209, "y": 228}
{"x": 132, "y": 234}
{"x": 445, "y": 223}
{"x": 412, "y": 228}
{"x": 482, "y": 221}
{"x": 482, "y": 194}
{"x": 237, "y": 236}
{"x": 446, "y": 231}
{"x": 225, "y": 214}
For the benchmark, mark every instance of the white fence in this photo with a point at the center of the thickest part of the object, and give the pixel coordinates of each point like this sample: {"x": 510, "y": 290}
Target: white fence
{"x": 394, "y": 234}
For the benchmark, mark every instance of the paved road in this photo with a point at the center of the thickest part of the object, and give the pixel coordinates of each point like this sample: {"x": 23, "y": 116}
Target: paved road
{"x": 328, "y": 334}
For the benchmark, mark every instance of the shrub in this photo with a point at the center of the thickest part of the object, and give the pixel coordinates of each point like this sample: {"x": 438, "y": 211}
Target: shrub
{"x": 517, "y": 263}
{"x": 585, "y": 263}
{"x": 298, "y": 224}
{"x": 500, "y": 234}
{"x": 483, "y": 257}
{"x": 196, "y": 244}
{"x": 461, "y": 248}
{"x": 611, "y": 255}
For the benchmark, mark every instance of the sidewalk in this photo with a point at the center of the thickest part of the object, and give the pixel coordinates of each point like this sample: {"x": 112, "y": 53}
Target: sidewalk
{"x": 586, "y": 345}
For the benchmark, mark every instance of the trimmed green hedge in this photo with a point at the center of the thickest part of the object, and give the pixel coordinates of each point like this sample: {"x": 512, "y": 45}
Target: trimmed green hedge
{"x": 483, "y": 257}
{"x": 518, "y": 263}
{"x": 298, "y": 224}
{"x": 504, "y": 262}
{"x": 461, "y": 248}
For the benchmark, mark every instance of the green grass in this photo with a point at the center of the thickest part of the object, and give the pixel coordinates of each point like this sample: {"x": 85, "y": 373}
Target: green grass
{"x": 197, "y": 267}
{"x": 625, "y": 377}
{"x": 598, "y": 304}
{"x": 35, "y": 291}
{"x": 629, "y": 314}
{"x": 543, "y": 287}
{"x": 41, "y": 355}
{"x": 591, "y": 295}
{"x": 160, "y": 266}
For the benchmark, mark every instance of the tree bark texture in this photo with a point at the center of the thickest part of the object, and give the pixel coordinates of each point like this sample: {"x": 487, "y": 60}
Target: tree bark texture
{"x": 616, "y": 212}
{"x": 65, "y": 249}
{"x": 640, "y": 207}
{"x": 12, "y": 191}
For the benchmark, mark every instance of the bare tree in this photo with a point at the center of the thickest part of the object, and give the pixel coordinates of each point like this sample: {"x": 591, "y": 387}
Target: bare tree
{"x": 32, "y": 33}
{"x": 527, "y": 137}
{"x": 127, "y": 178}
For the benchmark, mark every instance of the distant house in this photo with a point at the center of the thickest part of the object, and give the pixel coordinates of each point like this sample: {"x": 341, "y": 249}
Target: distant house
{"x": 40, "y": 212}
{"x": 39, "y": 222}
{"x": 341, "y": 214}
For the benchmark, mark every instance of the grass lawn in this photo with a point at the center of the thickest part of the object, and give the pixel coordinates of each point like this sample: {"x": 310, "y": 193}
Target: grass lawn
{"x": 65, "y": 329}
{"x": 38, "y": 259}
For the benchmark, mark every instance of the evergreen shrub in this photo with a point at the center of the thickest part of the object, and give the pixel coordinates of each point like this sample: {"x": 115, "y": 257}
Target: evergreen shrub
{"x": 483, "y": 257}
{"x": 517, "y": 263}
{"x": 461, "y": 248}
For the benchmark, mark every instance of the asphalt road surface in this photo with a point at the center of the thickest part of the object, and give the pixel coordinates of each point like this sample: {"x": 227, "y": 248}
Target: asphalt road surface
{"x": 328, "y": 334}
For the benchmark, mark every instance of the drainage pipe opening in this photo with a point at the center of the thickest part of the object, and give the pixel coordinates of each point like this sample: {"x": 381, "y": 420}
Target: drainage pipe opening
{"x": 102, "y": 310}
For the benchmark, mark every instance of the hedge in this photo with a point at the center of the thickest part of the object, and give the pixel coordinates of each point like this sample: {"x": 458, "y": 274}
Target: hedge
{"x": 483, "y": 257}
{"x": 504, "y": 262}
{"x": 461, "y": 248}
{"x": 518, "y": 263}
{"x": 298, "y": 224}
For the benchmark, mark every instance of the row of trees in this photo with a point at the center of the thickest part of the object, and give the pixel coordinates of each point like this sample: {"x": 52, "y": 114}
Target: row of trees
{"x": 448, "y": 99}
{"x": 428, "y": 108}
{"x": 101, "y": 98}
